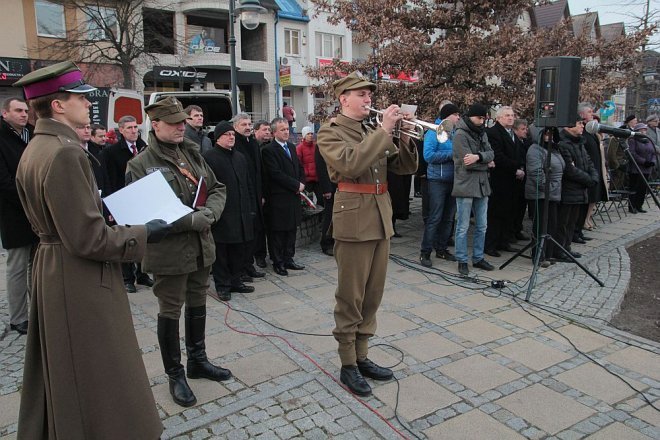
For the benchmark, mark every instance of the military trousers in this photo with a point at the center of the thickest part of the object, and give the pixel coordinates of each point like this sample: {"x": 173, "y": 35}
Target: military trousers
{"x": 362, "y": 267}
{"x": 173, "y": 291}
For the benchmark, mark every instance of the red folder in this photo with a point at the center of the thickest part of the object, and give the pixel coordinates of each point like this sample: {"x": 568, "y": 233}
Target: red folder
{"x": 201, "y": 195}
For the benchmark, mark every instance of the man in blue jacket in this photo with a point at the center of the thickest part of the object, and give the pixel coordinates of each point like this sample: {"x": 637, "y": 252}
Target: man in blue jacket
{"x": 440, "y": 176}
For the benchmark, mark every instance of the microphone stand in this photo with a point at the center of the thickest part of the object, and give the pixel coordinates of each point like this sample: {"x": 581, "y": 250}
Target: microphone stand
{"x": 538, "y": 244}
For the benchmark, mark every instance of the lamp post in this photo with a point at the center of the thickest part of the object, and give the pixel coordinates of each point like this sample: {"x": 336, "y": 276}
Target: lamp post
{"x": 249, "y": 11}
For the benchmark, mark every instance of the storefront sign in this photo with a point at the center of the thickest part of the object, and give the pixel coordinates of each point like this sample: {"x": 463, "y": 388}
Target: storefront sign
{"x": 285, "y": 75}
{"x": 327, "y": 63}
{"x": 13, "y": 69}
{"x": 98, "y": 112}
{"x": 167, "y": 73}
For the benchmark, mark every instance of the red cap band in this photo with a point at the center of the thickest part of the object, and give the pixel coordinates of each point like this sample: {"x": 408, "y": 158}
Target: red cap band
{"x": 52, "y": 85}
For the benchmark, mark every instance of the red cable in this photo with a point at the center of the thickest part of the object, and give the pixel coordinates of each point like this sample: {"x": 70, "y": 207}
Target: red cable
{"x": 270, "y": 335}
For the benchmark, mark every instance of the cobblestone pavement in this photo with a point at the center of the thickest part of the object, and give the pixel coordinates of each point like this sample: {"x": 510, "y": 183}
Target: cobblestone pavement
{"x": 475, "y": 364}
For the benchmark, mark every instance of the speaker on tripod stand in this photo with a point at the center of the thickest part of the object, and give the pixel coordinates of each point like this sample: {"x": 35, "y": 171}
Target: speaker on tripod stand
{"x": 557, "y": 89}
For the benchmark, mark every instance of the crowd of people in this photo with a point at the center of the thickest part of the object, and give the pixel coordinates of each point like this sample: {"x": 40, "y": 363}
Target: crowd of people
{"x": 498, "y": 174}
{"x": 247, "y": 184}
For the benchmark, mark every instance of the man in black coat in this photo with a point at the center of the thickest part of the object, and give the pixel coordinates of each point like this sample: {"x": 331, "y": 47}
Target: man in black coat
{"x": 15, "y": 230}
{"x": 502, "y": 179}
{"x": 95, "y": 159}
{"x": 115, "y": 158}
{"x": 523, "y": 142}
{"x": 233, "y": 233}
{"x": 249, "y": 147}
{"x": 283, "y": 182}
{"x": 579, "y": 175}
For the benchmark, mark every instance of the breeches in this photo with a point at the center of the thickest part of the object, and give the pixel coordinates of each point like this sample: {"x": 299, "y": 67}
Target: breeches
{"x": 173, "y": 291}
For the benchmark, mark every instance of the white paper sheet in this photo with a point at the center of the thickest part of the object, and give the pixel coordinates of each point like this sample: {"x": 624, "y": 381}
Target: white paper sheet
{"x": 146, "y": 199}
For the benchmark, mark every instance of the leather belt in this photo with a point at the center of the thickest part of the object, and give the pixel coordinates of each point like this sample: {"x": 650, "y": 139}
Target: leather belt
{"x": 362, "y": 188}
{"x": 49, "y": 239}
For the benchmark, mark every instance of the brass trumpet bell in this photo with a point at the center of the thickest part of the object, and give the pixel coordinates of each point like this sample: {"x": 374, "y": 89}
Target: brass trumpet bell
{"x": 414, "y": 128}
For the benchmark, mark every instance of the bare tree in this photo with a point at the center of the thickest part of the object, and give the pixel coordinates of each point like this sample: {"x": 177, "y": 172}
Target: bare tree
{"x": 107, "y": 32}
{"x": 470, "y": 51}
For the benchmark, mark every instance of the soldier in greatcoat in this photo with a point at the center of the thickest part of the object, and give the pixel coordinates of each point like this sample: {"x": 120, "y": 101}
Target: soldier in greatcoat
{"x": 83, "y": 376}
{"x": 358, "y": 157}
{"x": 181, "y": 263}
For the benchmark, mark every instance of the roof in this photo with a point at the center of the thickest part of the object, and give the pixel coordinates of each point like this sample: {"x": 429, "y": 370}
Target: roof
{"x": 291, "y": 10}
{"x": 612, "y": 31}
{"x": 584, "y": 24}
{"x": 551, "y": 14}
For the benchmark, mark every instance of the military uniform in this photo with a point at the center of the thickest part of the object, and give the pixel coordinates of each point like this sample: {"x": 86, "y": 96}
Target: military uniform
{"x": 181, "y": 262}
{"x": 83, "y": 376}
{"x": 356, "y": 153}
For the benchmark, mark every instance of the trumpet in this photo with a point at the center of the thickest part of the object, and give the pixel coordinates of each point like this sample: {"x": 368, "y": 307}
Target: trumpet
{"x": 414, "y": 128}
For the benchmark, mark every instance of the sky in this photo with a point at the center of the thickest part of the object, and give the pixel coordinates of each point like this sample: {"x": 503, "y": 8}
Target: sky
{"x": 613, "y": 11}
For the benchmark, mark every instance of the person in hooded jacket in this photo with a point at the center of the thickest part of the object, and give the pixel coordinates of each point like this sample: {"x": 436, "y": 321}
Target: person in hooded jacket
{"x": 579, "y": 175}
{"x": 440, "y": 177}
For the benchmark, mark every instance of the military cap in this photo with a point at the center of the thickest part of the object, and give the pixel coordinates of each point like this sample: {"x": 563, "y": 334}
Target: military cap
{"x": 168, "y": 109}
{"x": 60, "y": 77}
{"x": 353, "y": 81}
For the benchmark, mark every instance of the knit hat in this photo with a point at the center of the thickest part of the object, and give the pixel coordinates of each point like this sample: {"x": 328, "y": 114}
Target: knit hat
{"x": 222, "y": 128}
{"x": 476, "y": 110}
{"x": 448, "y": 110}
{"x": 306, "y": 130}
{"x": 640, "y": 126}
{"x": 629, "y": 118}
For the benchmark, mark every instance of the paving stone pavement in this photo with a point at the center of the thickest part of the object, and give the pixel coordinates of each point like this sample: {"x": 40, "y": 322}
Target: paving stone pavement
{"x": 474, "y": 363}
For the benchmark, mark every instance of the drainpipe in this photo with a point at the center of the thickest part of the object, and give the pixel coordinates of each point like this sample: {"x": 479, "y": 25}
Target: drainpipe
{"x": 277, "y": 71}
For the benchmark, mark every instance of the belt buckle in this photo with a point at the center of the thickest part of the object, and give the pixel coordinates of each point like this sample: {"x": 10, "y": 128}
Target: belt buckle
{"x": 378, "y": 188}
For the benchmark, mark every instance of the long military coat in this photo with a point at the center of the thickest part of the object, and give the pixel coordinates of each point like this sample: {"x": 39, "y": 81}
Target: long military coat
{"x": 83, "y": 377}
{"x": 358, "y": 153}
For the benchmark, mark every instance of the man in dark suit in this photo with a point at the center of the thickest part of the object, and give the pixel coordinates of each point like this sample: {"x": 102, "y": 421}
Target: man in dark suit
{"x": 233, "y": 233}
{"x": 283, "y": 179}
{"x": 115, "y": 158}
{"x": 15, "y": 229}
{"x": 502, "y": 179}
{"x": 249, "y": 147}
{"x": 95, "y": 160}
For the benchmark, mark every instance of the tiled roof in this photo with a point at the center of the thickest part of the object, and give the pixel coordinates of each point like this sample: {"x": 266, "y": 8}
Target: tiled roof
{"x": 612, "y": 31}
{"x": 551, "y": 14}
{"x": 583, "y": 24}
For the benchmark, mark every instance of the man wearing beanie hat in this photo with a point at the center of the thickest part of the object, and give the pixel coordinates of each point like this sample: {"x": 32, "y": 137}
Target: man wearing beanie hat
{"x": 234, "y": 231}
{"x": 181, "y": 263}
{"x": 473, "y": 156}
{"x": 82, "y": 356}
{"x": 358, "y": 157}
{"x": 440, "y": 178}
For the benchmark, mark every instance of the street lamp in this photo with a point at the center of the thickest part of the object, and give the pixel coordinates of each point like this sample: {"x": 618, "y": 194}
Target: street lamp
{"x": 249, "y": 14}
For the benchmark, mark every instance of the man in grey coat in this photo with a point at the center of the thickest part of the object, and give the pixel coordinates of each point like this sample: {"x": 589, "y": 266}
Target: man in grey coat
{"x": 195, "y": 128}
{"x": 473, "y": 156}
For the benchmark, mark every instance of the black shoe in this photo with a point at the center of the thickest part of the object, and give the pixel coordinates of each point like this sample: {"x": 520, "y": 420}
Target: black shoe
{"x": 145, "y": 281}
{"x": 224, "y": 293}
{"x": 293, "y": 266}
{"x": 328, "y": 251}
{"x": 576, "y": 254}
{"x": 492, "y": 253}
{"x": 585, "y": 238}
{"x": 463, "y": 269}
{"x": 351, "y": 377}
{"x": 130, "y": 287}
{"x": 642, "y": 210}
{"x": 242, "y": 288}
{"x": 425, "y": 259}
{"x": 483, "y": 264}
{"x": 632, "y": 210}
{"x": 247, "y": 279}
{"x": 445, "y": 255}
{"x": 506, "y": 248}
{"x": 578, "y": 240}
{"x": 372, "y": 371}
{"x": 254, "y": 273}
{"x": 280, "y": 270}
{"x": 198, "y": 365}
{"x": 521, "y": 236}
{"x": 261, "y": 262}
{"x": 21, "y": 328}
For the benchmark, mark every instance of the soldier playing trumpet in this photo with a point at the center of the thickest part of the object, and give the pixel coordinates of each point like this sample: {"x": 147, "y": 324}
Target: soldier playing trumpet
{"x": 358, "y": 157}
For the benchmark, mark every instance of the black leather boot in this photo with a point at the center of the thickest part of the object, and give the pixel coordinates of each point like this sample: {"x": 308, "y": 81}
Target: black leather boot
{"x": 168, "y": 339}
{"x": 351, "y": 377}
{"x": 372, "y": 371}
{"x": 198, "y": 364}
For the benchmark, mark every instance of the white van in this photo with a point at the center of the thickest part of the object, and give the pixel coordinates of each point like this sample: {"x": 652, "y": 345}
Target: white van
{"x": 216, "y": 104}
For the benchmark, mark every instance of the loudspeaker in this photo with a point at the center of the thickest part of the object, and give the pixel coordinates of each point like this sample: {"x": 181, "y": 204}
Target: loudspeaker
{"x": 557, "y": 88}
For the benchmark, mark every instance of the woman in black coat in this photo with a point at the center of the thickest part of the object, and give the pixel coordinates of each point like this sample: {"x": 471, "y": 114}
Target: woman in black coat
{"x": 642, "y": 151}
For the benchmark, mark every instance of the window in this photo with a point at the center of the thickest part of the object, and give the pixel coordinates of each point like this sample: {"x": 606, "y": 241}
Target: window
{"x": 329, "y": 45}
{"x": 292, "y": 42}
{"x": 158, "y": 31}
{"x": 101, "y": 23}
{"x": 50, "y": 19}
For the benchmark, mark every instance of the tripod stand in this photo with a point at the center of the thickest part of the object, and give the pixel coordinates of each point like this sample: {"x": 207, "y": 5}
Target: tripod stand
{"x": 538, "y": 245}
